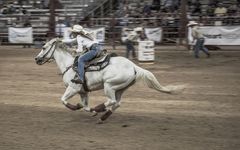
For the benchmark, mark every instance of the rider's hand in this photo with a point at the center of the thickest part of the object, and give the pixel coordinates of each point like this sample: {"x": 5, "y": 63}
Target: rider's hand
{"x": 59, "y": 39}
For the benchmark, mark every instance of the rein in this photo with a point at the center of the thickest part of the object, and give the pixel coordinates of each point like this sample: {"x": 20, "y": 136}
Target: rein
{"x": 51, "y": 57}
{"x": 69, "y": 67}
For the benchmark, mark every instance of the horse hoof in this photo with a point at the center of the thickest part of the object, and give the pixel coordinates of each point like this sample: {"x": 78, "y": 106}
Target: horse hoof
{"x": 100, "y": 121}
{"x": 79, "y": 106}
{"x": 94, "y": 113}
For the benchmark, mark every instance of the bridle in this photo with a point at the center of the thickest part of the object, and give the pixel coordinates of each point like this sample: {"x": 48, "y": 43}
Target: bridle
{"x": 51, "y": 57}
{"x": 69, "y": 67}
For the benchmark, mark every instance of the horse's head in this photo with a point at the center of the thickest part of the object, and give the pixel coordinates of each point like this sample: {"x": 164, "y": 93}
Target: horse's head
{"x": 46, "y": 54}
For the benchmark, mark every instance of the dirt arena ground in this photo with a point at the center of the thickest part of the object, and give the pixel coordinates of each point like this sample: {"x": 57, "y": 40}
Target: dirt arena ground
{"x": 206, "y": 116}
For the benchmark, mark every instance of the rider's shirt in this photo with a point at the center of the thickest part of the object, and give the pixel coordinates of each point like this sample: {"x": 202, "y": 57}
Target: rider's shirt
{"x": 133, "y": 36}
{"x": 196, "y": 33}
{"x": 82, "y": 42}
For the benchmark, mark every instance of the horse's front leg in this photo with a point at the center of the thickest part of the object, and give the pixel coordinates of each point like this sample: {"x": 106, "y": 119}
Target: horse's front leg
{"x": 84, "y": 101}
{"x": 69, "y": 93}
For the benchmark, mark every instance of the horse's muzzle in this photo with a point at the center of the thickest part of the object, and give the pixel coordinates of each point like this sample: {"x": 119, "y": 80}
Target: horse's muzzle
{"x": 38, "y": 60}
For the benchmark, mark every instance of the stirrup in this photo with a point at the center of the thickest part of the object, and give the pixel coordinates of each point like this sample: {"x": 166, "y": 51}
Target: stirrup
{"x": 77, "y": 81}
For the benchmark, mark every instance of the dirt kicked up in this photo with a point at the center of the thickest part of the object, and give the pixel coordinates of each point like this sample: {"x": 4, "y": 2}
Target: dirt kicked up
{"x": 206, "y": 116}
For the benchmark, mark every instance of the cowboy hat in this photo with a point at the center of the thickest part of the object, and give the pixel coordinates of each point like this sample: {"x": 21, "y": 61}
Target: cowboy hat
{"x": 79, "y": 29}
{"x": 192, "y": 23}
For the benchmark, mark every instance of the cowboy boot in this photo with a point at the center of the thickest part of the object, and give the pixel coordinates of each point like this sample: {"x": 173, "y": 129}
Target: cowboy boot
{"x": 77, "y": 81}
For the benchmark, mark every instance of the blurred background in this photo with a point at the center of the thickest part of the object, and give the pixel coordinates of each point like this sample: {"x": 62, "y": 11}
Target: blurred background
{"x": 47, "y": 18}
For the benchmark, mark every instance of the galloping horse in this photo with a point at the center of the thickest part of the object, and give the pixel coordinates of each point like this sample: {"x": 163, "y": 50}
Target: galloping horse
{"x": 115, "y": 78}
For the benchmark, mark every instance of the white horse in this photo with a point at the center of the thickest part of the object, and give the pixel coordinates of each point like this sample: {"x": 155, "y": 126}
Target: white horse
{"x": 120, "y": 74}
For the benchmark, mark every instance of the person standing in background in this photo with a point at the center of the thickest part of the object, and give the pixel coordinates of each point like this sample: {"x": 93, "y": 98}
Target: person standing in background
{"x": 198, "y": 36}
{"x": 220, "y": 10}
{"x": 132, "y": 37}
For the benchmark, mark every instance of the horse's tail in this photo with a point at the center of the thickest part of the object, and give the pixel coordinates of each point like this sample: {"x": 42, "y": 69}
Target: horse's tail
{"x": 153, "y": 83}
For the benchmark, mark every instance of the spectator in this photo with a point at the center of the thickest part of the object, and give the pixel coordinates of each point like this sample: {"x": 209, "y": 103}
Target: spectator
{"x": 22, "y": 2}
{"x": 113, "y": 30}
{"x": 220, "y": 10}
{"x": 26, "y": 19}
{"x": 164, "y": 19}
{"x": 176, "y": 4}
{"x": 170, "y": 20}
{"x": 197, "y": 8}
{"x": 11, "y": 9}
{"x": 146, "y": 9}
{"x": 67, "y": 21}
{"x": 232, "y": 10}
{"x": 124, "y": 20}
{"x": 213, "y": 3}
{"x": 210, "y": 10}
{"x": 4, "y": 10}
{"x": 27, "y": 23}
{"x": 57, "y": 4}
{"x": 156, "y": 5}
{"x": 45, "y": 4}
{"x": 170, "y": 5}
{"x": 60, "y": 28}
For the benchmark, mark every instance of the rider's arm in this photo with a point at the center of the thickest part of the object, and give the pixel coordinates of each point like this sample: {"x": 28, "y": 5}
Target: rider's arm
{"x": 69, "y": 41}
{"x": 132, "y": 36}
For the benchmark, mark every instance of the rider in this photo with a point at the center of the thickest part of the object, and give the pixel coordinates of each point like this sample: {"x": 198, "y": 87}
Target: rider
{"x": 83, "y": 39}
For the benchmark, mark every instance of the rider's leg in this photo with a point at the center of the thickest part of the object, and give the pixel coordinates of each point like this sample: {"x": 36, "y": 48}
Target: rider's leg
{"x": 81, "y": 63}
{"x": 83, "y": 59}
{"x": 69, "y": 93}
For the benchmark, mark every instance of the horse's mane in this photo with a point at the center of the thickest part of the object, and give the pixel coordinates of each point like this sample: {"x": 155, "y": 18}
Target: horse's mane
{"x": 61, "y": 45}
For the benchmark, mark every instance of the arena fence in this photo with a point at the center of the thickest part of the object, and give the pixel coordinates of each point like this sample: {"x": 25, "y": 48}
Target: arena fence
{"x": 113, "y": 26}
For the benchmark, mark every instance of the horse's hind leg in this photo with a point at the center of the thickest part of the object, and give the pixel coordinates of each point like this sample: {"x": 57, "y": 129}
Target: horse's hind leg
{"x": 107, "y": 114}
{"x": 110, "y": 93}
{"x": 118, "y": 98}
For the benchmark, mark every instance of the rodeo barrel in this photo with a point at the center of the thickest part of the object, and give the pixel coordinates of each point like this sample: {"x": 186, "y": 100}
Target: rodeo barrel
{"x": 146, "y": 51}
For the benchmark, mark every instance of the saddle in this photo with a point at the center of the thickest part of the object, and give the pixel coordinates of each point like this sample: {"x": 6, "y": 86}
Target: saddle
{"x": 97, "y": 63}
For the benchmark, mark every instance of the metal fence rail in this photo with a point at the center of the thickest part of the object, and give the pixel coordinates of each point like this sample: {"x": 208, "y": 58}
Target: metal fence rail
{"x": 168, "y": 22}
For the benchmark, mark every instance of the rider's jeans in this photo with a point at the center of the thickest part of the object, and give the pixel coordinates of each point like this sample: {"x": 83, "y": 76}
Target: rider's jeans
{"x": 200, "y": 46}
{"x": 85, "y": 58}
